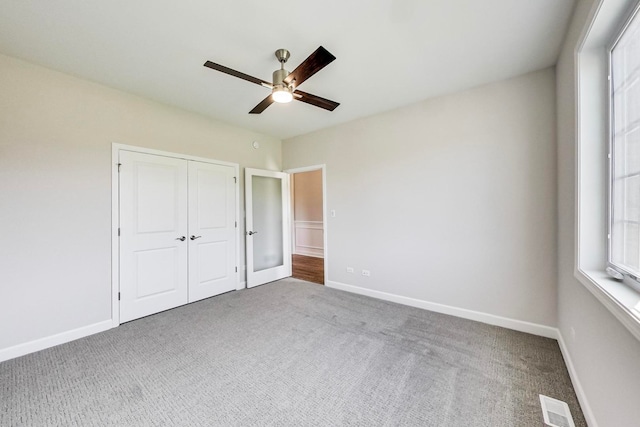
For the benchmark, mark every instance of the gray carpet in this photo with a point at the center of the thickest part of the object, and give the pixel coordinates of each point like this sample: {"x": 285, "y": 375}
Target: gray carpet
{"x": 289, "y": 353}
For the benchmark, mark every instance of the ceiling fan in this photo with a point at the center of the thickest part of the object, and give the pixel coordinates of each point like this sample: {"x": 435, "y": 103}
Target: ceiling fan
{"x": 285, "y": 85}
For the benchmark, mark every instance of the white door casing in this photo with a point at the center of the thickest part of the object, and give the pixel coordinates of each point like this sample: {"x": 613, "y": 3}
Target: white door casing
{"x": 325, "y": 222}
{"x": 307, "y": 232}
{"x": 153, "y": 228}
{"x": 212, "y": 230}
{"x": 267, "y": 236}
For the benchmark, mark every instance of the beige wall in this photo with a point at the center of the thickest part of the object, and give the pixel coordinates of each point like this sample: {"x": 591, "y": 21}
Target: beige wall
{"x": 308, "y": 225}
{"x": 451, "y": 200}
{"x": 606, "y": 357}
{"x": 307, "y": 196}
{"x": 56, "y": 133}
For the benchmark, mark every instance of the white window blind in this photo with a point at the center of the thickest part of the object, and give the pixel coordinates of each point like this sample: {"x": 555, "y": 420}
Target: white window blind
{"x": 624, "y": 244}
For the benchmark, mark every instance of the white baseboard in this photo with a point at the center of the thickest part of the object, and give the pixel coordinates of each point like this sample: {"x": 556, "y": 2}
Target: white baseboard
{"x": 53, "y": 340}
{"x": 577, "y": 386}
{"x": 313, "y": 254}
{"x": 517, "y": 325}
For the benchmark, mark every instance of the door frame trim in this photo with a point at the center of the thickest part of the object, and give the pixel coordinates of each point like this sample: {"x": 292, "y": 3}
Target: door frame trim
{"x": 325, "y": 224}
{"x": 115, "y": 214}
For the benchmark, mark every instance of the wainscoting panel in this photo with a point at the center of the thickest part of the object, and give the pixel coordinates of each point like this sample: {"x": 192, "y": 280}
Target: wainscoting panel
{"x": 309, "y": 238}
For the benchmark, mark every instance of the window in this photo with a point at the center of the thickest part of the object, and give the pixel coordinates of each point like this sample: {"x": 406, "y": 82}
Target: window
{"x": 607, "y": 192}
{"x": 624, "y": 171}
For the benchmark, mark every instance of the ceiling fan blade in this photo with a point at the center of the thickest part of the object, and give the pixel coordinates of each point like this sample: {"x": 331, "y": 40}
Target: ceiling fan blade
{"x": 235, "y": 73}
{"x": 327, "y": 104}
{"x": 314, "y": 63}
{"x": 262, "y": 106}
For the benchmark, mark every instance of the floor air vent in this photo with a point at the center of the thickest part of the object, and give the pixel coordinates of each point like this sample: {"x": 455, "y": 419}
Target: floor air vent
{"x": 556, "y": 412}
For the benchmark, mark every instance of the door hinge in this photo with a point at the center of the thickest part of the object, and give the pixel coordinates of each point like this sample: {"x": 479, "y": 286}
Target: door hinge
{"x": 118, "y": 296}
{"x": 119, "y": 164}
{"x": 236, "y": 269}
{"x": 236, "y": 224}
{"x": 118, "y": 231}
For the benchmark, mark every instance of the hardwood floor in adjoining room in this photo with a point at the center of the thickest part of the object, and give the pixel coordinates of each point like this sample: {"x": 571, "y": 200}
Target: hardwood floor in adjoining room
{"x": 308, "y": 268}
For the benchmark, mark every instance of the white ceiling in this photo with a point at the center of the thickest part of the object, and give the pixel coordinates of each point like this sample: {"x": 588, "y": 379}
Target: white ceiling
{"x": 390, "y": 53}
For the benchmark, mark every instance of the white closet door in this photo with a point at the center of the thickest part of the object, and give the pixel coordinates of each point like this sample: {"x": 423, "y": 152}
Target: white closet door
{"x": 153, "y": 234}
{"x": 212, "y": 230}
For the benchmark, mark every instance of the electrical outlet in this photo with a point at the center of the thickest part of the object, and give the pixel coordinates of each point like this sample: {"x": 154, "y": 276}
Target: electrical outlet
{"x": 349, "y": 269}
{"x": 366, "y": 273}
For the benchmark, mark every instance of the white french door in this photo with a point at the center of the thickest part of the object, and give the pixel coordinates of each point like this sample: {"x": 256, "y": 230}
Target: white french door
{"x": 267, "y": 226}
{"x": 177, "y": 232}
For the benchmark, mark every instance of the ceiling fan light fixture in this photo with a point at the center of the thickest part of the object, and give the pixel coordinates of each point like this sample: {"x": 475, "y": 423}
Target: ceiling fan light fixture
{"x": 281, "y": 95}
{"x": 285, "y": 84}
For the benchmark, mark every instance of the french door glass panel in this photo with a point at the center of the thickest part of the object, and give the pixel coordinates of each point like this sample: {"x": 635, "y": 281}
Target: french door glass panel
{"x": 268, "y": 247}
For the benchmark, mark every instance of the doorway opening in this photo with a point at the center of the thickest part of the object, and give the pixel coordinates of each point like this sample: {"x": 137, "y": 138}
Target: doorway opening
{"x": 308, "y": 224}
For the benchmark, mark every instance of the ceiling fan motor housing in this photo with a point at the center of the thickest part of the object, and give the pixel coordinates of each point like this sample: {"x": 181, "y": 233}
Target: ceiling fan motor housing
{"x": 279, "y": 76}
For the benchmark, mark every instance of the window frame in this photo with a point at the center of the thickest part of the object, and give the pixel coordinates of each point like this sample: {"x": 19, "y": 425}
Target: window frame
{"x": 614, "y": 270}
{"x": 605, "y": 20}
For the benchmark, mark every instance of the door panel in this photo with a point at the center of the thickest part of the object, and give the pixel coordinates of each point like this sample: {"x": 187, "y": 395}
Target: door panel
{"x": 267, "y": 225}
{"x": 153, "y": 216}
{"x": 154, "y": 271}
{"x": 157, "y": 195}
{"x": 212, "y": 230}
{"x": 210, "y": 271}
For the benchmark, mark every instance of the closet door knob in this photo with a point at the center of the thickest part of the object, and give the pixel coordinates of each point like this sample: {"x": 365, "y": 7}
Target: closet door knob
{"x": 181, "y": 238}
{"x": 195, "y": 237}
